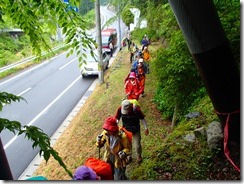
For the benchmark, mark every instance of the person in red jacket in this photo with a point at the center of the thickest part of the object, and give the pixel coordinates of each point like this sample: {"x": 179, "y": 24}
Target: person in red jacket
{"x": 133, "y": 88}
{"x": 141, "y": 74}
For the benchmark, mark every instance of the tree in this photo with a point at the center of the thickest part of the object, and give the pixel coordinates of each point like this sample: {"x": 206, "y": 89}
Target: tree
{"x": 31, "y": 16}
{"x": 127, "y": 16}
{"x": 86, "y": 6}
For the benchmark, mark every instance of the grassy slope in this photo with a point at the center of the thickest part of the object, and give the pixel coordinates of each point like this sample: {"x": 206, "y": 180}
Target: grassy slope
{"x": 78, "y": 141}
{"x": 166, "y": 155}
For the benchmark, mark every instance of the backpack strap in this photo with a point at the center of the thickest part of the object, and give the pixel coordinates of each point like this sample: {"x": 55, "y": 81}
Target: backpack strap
{"x": 134, "y": 107}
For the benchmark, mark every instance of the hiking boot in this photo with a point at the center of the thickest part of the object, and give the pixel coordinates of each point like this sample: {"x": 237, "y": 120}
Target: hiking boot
{"x": 139, "y": 159}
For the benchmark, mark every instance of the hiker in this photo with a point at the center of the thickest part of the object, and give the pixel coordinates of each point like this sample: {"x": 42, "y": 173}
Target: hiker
{"x": 111, "y": 49}
{"x": 85, "y": 173}
{"x": 133, "y": 88}
{"x": 131, "y": 116}
{"x": 136, "y": 62}
{"x": 132, "y": 52}
{"x": 146, "y": 54}
{"x": 141, "y": 74}
{"x": 117, "y": 147}
{"x": 146, "y": 57}
{"x": 144, "y": 42}
{"x": 127, "y": 77}
{"x": 128, "y": 39}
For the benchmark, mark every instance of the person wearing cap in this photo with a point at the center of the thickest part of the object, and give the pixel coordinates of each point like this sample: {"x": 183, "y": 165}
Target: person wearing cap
{"x": 146, "y": 54}
{"x": 136, "y": 61}
{"x": 141, "y": 75}
{"x": 117, "y": 147}
{"x": 133, "y": 88}
{"x": 145, "y": 41}
{"x": 131, "y": 116}
{"x": 85, "y": 173}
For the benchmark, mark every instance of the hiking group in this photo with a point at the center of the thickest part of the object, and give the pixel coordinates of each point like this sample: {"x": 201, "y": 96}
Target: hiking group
{"x": 117, "y": 139}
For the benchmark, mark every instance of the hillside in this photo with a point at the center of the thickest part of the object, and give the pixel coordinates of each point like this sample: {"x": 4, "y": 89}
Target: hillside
{"x": 166, "y": 156}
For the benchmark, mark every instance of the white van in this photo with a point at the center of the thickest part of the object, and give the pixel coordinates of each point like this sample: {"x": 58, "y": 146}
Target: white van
{"x": 91, "y": 66}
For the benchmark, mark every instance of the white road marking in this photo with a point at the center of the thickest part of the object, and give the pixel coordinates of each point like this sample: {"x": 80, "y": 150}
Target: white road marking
{"x": 27, "y": 71}
{"x": 67, "y": 63}
{"x": 25, "y": 91}
{"x": 44, "y": 110}
{"x": 28, "y": 89}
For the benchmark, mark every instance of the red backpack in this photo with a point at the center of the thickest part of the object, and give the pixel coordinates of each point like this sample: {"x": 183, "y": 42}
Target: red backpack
{"x": 102, "y": 168}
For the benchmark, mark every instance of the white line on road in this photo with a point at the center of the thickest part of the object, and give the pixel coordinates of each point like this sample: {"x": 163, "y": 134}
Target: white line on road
{"x": 28, "y": 71}
{"x": 44, "y": 110}
{"x": 25, "y": 91}
{"x": 67, "y": 63}
{"x": 28, "y": 89}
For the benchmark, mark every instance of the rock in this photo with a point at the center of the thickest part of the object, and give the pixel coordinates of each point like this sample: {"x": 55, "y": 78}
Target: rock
{"x": 192, "y": 115}
{"x": 214, "y": 135}
{"x": 190, "y": 137}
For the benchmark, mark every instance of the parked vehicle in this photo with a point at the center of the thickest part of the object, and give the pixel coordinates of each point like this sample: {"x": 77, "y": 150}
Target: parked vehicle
{"x": 109, "y": 35}
{"x": 91, "y": 65}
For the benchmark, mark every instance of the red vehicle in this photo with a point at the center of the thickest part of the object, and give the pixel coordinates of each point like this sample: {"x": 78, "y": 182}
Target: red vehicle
{"x": 109, "y": 35}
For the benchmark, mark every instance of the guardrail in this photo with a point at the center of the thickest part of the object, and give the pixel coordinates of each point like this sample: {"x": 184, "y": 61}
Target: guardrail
{"x": 13, "y": 65}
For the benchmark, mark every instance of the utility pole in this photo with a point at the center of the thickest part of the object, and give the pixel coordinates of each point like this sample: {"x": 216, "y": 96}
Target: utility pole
{"x": 120, "y": 40}
{"x": 99, "y": 42}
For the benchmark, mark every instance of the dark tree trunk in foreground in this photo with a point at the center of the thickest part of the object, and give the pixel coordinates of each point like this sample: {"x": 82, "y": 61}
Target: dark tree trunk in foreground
{"x": 218, "y": 69}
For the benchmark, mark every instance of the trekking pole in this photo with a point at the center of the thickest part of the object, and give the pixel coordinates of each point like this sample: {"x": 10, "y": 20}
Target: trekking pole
{"x": 99, "y": 152}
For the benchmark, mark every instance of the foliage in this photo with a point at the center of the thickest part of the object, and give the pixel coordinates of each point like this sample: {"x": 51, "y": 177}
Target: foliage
{"x": 229, "y": 13}
{"x": 104, "y": 2}
{"x": 13, "y": 49}
{"x": 127, "y": 16}
{"x": 90, "y": 17}
{"x": 138, "y": 34}
{"x": 35, "y": 134}
{"x": 160, "y": 20}
{"x": 179, "y": 83}
{"x": 86, "y": 6}
{"x": 30, "y": 18}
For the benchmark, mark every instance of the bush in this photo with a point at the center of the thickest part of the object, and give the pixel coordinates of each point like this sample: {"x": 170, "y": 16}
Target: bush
{"x": 179, "y": 82}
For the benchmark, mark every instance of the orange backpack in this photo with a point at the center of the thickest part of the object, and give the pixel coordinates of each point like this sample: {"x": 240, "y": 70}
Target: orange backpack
{"x": 129, "y": 135}
{"x": 102, "y": 168}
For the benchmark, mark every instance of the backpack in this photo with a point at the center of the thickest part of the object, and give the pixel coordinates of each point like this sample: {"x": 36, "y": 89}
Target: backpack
{"x": 100, "y": 167}
{"x": 128, "y": 134}
{"x": 135, "y": 104}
